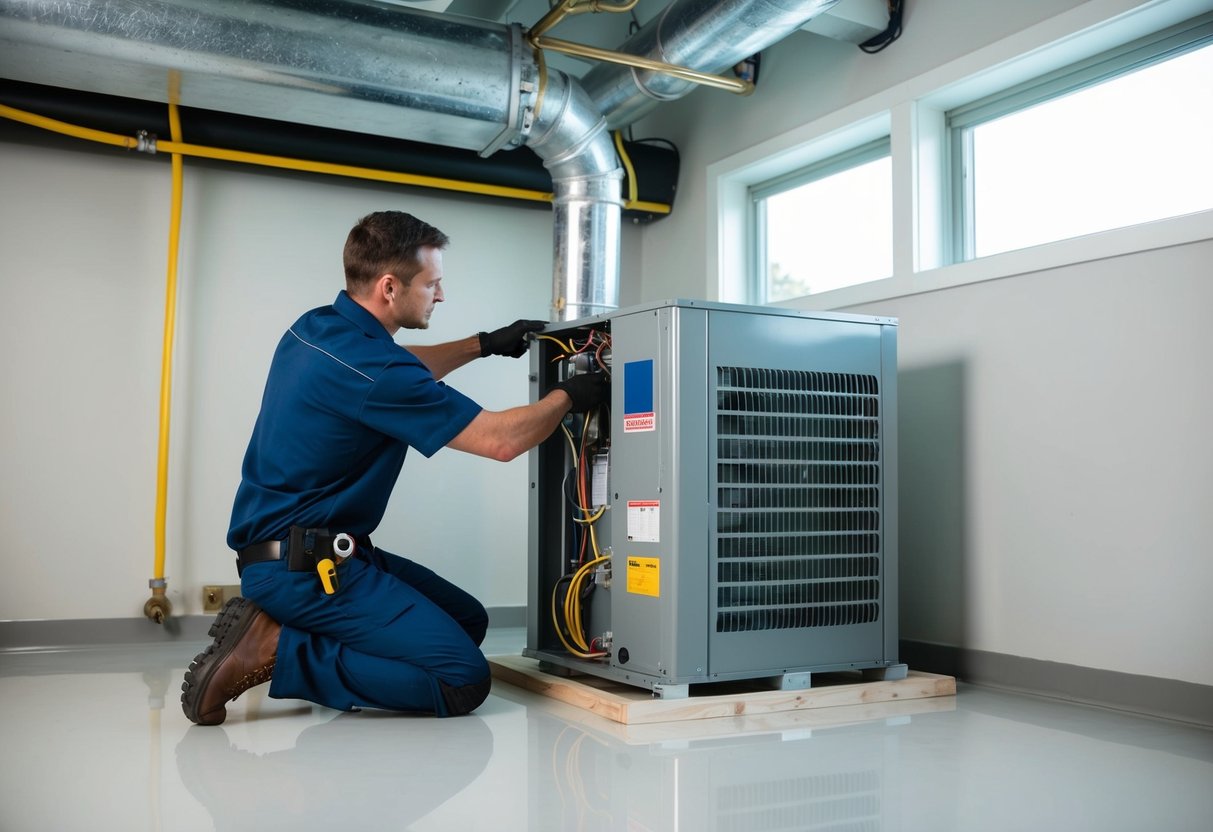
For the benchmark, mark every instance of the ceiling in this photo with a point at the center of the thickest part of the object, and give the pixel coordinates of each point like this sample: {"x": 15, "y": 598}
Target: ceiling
{"x": 852, "y": 21}
{"x": 606, "y": 30}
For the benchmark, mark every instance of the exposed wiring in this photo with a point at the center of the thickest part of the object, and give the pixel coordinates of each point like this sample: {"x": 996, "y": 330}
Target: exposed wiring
{"x": 598, "y": 356}
{"x": 580, "y": 653}
{"x": 572, "y": 602}
{"x": 585, "y": 556}
{"x": 568, "y": 434}
{"x": 627, "y": 166}
{"x": 633, "y": 202}
{"x": 593, "y": 517}
{"x": 559, "y": 343}
{"x": 890, "y": 34}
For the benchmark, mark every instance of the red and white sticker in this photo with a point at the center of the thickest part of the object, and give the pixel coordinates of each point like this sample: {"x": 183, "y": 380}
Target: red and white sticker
{"x": 639, "y": 422}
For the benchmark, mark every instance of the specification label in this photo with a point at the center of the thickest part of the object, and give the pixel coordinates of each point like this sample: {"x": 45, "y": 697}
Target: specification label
{"x": 598, "y": 489}
{"x": 644, "y": 521}
{"x": 644, "y": 576}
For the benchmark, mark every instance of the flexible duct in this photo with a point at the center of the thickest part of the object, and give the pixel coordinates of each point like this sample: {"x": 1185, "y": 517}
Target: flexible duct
{"x": 706, "y": 35}
{"x": 356, "y": 65}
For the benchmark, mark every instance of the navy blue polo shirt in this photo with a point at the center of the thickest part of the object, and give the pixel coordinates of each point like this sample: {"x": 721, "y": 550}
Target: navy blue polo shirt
{"x": 343, "y": 403}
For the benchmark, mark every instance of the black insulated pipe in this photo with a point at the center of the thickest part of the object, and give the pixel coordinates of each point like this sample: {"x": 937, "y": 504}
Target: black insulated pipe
{"x": 656, "y": 165}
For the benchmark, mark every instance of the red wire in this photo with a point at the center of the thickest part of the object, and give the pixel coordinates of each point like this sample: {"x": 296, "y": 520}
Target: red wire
{"x": 589, "y": 340}
{"x": 581, "y": 494}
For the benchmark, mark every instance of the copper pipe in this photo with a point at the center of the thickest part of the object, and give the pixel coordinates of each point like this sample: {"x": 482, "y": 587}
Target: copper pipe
{"x": 733, "y": 85}
{"x": 562, "y": 10}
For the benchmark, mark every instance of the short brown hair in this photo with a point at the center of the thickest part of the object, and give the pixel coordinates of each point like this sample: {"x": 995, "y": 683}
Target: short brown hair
{"x": 387, "y": 242}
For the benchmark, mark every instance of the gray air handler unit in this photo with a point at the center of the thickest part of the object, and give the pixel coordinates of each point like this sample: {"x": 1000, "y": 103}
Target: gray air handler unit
{"x": 732, "y": 515}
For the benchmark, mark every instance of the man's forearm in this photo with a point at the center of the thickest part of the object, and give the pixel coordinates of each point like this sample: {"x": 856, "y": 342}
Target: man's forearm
{"x": 442, "y": 359}
{"x": 506, "y": 434}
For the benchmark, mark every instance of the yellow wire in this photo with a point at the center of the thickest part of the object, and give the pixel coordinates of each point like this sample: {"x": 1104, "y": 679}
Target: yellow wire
{"x": 333, "y": 169}
{"x": 563, "y": 640}
{"x": 632, "y": 203}
{"x": 284, "y": 162}
{"x": 592, "y": 517}
{"x": 571, "y": 621}
{"x": 559, "y": 343}
{"x": 572, "y": 602}
{"x": 577, "y": 606}
{"x": 572, "y": 605}
{"x": 68, "y": 129}
{"x": 328, "y": 168}
{"x": 594, "y": 542}
{"x": 166, "y": 360}
{"x": 627, "y": 165}
{"x": 568, "y": 434}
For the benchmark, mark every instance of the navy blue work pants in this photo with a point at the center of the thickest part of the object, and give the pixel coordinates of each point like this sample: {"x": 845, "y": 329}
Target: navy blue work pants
{"x": 390, "y": 634}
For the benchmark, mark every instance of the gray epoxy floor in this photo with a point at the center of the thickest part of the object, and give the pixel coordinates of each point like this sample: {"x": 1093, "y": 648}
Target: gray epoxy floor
{"x": 95, "y": 740}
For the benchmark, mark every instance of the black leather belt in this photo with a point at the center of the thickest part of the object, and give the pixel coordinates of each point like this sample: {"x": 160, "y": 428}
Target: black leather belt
{"x": 258, "y": 552}
{"x": 276, "y": 550}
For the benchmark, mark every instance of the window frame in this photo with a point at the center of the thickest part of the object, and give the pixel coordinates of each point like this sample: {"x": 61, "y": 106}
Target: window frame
{"x": 912, "y": 111}
{"x": 757, "y": 193}
{"x": 959, "y": 122}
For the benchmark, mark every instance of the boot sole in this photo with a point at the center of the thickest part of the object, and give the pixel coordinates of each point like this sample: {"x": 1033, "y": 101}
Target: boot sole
{"x": 230, "y": 625}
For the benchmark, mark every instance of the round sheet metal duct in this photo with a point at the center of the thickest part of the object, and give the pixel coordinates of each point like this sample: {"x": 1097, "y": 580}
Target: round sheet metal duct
{"x": 354, "y": 65}
{"x": 706, "y": 35}
{"x": 360, "y": 66}
{"x": 572, "y": 139}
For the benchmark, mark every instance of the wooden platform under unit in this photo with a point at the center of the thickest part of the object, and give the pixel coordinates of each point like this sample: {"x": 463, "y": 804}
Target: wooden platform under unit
{"x": 632, "y": 705}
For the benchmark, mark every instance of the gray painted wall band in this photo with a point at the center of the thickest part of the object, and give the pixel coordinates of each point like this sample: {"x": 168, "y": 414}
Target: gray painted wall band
{"x": 1149, "y": 695}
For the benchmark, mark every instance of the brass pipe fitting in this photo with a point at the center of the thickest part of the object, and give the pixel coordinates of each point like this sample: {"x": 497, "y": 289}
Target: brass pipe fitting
{"x": 158, "y": 608}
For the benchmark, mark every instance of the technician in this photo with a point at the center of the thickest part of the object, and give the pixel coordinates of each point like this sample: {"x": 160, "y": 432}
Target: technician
{"x": 325, "y": 615}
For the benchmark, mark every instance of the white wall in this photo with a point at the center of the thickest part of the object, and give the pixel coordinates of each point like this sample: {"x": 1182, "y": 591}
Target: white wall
{"x": 83, "y": 237}
{"x": 1054, "y": 457}
{"x": 1055, "y": 476}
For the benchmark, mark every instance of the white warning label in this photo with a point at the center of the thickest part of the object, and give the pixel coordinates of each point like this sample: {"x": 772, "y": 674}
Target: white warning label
{"x": 644, "y": 521}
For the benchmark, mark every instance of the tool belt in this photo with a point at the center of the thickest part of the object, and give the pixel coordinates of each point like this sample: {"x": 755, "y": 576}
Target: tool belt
{"x": 303, "y": 549}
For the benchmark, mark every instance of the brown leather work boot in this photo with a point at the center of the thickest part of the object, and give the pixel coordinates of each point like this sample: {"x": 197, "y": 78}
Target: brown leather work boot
{"x": 242, "y": 656}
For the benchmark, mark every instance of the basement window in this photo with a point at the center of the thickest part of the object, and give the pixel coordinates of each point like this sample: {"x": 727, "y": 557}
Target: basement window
{"x": 824, "y": 226}
{"x": 1118, "y": 140}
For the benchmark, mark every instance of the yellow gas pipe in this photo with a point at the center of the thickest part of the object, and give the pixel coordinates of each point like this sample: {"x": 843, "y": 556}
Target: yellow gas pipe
{"x": 158, "y": 608}
{"x": 288, "y": 163}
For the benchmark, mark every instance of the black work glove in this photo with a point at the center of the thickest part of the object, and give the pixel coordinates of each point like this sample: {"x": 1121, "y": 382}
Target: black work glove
{"x": 587, "y": 390}
{"x": 509, "y": 340}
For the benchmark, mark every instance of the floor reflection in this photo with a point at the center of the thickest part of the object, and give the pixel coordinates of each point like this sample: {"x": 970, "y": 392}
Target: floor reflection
{"x": 827, "y": 769}
{"x": 97, "y": 740}
{"x": 354, "y": 771}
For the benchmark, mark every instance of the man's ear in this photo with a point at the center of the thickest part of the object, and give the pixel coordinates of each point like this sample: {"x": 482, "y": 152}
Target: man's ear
{"x": 386, "y": 286}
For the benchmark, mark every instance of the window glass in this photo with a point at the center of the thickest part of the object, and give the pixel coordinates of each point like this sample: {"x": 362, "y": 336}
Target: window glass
{"x": 1119, "y": 152}
{"x": 825, "y": 227}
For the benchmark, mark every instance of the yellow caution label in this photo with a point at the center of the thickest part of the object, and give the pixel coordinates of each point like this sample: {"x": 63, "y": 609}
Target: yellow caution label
{"x": 644, "y": 576}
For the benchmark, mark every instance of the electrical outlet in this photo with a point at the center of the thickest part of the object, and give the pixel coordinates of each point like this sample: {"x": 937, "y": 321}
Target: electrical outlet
{"x": 214, "y": 596}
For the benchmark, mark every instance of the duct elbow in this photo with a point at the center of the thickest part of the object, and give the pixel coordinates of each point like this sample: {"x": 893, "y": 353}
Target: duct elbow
{"x": 570, "y": 134}
{"x": 572, "y": 139}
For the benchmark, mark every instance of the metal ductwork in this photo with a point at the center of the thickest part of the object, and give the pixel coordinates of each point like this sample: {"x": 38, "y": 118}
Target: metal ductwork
{"x": 379, "y": 69}
{"x": 706, "y": 35}
{"x": 356, "y": 65}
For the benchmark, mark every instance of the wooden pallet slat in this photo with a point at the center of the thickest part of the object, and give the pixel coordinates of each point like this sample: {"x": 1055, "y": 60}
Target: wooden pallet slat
{"x": 630, "y": 705}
